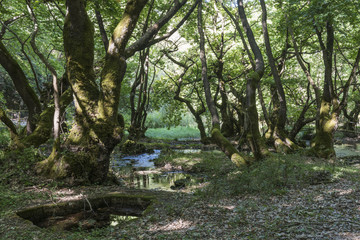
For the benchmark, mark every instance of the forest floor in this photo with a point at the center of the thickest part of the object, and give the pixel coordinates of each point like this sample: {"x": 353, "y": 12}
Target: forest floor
{"x": 284, "y": 197}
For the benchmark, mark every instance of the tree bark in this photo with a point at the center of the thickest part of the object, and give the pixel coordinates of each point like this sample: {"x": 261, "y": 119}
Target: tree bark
{"x": 13, "y": 132}
{"x": 55, "y": 81}
{"x": 138, "y": 105}
{"x": 281, "y": 118}
{"x": 276, "y": 132}
{"x": 216, "y": 135}
{"x": 253, "y": 136}
{"x": 96, "y": 130}
{"x": 195, "y": 112}
{"x": 323, "y": 143}
{"x": 100, "y": 22}
{"x": 22, "y": 86}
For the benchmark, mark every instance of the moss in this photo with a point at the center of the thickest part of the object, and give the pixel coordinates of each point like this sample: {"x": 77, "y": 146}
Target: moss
{"x": 36, "y": 214}
{"x": 228, "y": 148}
{"x": 131, "y": 147}
{"x": 323, "y": 143}
{"x": 254, "y": 75}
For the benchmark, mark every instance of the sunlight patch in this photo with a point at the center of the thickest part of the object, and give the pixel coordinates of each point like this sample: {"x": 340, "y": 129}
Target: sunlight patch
{"x": 179, "y": 224}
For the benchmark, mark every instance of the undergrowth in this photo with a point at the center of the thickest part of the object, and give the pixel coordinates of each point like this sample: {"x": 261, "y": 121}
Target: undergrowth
{"x": 276, "y": 175}
{"x": 17, "y": 166}
{"x": 4, "y": 137}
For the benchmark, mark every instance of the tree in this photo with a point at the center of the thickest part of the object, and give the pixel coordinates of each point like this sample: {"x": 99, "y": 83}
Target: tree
{"x": 277, "y": 122}
{"x": 236, "y": 157}
{"x": 96, "y": 130}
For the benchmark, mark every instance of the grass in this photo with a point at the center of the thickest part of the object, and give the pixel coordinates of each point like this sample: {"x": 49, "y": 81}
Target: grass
{"x": 175, "y": 133}
{"x": 272, "y": 176}
{"x": 275, "y": 175}
{"x": 200, "y": 162}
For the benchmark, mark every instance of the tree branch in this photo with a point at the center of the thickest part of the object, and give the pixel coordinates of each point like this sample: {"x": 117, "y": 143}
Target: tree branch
{"x": 146, "y": 40}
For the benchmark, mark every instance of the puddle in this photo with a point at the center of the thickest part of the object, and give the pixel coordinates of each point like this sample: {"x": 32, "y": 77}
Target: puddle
{"x": 129, "y": 169}
{"x": 86, "y": 214}
{"x": 142, "y": 160}
{"x": 162, "y": 181}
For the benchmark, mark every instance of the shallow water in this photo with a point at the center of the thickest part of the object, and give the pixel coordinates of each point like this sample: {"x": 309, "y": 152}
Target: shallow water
{"x": 129, "y": 167}
{"x": 163, "y": 181}
{"x": 144, "y": 160}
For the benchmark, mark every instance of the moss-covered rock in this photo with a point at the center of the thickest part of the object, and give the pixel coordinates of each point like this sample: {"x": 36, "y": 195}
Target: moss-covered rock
{"x": 131, "y": 147}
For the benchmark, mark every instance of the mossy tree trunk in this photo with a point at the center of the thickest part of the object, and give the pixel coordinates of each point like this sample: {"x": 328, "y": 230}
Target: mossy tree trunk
{"x": 276, "y": 132}
{"x": 55, "y": 80}
{"x": 227, "y": 126}
{"x": 253, "y": 136}
{"x": 219, "y": 50}
{"x": 225, "y": 145}
{"x": 44, "y": 126}
{"x": 323, "y": 143}
{"x": 39, "y": 126}
{"x": 96, "y": 130}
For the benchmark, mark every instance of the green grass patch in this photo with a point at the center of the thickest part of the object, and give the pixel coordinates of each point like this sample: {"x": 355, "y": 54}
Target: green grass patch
{"x": 276, "y": 175}
{"x": 175, "y": 133}
{"x": 198, "y": 162}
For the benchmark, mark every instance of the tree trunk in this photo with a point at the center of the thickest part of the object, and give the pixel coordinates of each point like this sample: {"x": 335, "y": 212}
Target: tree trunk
{"x": 100, "y": 23}
{"x": 352, "y": 119}
{"x": 216, "y": 135}
{"x": 276, "y": 132}
{"x": 10, "y": 125}
{"x": 22, "y": 87}
{"x": 96, "y": 130}
{"x": 323, "y": 143}
{"x": 139, "y": 88}
{"x": 253, "y": 136}
{"x": 195, "y": 112}
{"x": 55, "y": 81}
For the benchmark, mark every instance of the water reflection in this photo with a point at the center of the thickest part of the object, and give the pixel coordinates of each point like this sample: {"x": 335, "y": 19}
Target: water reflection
{"x": 141, "y": 160}
{"x": 128, "y": 168}
{"x": 162, "y": 181}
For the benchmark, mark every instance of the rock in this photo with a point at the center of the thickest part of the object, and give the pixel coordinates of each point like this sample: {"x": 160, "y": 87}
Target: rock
{"x": 181, "y": 183}
{"x": 131, "y": 148}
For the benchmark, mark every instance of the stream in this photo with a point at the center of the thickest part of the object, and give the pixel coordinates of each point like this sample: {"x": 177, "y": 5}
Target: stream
{"x": 139, "y": 171}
